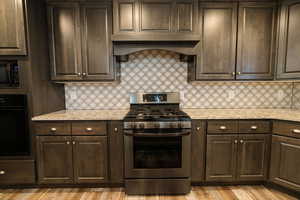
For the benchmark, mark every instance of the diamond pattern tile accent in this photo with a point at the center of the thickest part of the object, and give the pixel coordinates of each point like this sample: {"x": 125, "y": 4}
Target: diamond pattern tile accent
{"x": 162, "y": 71}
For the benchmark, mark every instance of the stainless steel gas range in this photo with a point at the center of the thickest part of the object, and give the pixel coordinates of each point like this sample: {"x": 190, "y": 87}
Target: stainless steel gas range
{"x": 157, "y": 138}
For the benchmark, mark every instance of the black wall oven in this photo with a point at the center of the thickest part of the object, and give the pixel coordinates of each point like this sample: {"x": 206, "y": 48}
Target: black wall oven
{"x": 14, "y": 137}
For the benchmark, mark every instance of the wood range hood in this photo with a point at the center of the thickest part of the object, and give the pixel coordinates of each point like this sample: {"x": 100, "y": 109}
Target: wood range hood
{"x": 186, "y": 49}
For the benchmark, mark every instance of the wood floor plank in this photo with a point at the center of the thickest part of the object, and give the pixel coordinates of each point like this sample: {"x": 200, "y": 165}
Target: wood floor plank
{"x": 197, "y": 193}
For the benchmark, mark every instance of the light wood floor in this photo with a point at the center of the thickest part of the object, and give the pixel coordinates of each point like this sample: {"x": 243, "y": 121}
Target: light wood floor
{"x": 197, "y": 193}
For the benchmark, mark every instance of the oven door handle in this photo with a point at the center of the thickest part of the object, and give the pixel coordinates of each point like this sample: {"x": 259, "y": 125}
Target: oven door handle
{"x": 176, "y": 134}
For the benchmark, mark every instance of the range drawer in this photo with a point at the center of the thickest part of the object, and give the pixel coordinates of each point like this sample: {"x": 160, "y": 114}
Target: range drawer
{"x": 284, "y": 128}
{"x": 222, "y": 127}
{"x": 17, "y": 172}
{"x": 254, "y": 126}
{"x": 52, "y": 128}
{"x": 89, "y": 128}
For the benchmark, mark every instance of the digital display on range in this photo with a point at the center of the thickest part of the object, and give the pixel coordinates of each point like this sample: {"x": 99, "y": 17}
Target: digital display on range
{"x": 155, "y": 98}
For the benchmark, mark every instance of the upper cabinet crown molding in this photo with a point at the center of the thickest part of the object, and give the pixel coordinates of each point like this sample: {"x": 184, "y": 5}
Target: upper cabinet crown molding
{"x": 12, "y": 34}
{"x": 155, "y": 20}
{"x": 288, "y": 64}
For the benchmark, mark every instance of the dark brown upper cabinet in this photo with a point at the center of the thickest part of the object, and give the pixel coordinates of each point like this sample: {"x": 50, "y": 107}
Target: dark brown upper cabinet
{"x": 237, "y": 41}
{"x": 12, "y": 34}
{"x": 256, "y": 44}
{"x": 155, "y": 20}
{"x": 217, "y": 49}
{"x": 288, "y": 66}
{"x": 80, "y": 45}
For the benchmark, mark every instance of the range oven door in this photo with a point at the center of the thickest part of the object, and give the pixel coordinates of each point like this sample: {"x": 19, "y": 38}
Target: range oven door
{"x": 157, "y": 157}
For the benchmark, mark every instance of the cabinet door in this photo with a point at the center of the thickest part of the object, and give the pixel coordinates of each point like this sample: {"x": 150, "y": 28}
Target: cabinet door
{"x": 156, "y": 15}
{"x": 252, "y": 158}
{"x": 198, "y": 150}
{"x": 65, "y": 47}
{"x": 256, "y": 31}
{"x": 116, "y": 145}
{"x": 12, "y": 34}
{"x": 54, "y": 155}
{"x": 289, "y": 43}
{"x": 96, "y": 28}
{"x": 217, "y": 49}
{"x": 90, "y": 159}
{"x": 221, "y": 158}
{"x": 285, "y": 162}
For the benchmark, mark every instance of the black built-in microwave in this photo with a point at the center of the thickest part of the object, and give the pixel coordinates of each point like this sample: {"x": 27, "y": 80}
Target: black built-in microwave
{"x": 9, "y": 74}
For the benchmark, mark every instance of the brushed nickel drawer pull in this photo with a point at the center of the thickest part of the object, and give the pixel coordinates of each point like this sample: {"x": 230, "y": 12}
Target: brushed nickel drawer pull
{"x": 223, "y": 127}
{"x": 235, "y": 141}
{"x": 68, "y": 142}
{"x": 53, "y": 129}
{"x": 2, "y": 172}
{"x": 242, "y": 141}
{"x": 198, "y": 128}
{"x": 253, "y": 127}
{"x": 89, "y": 129}
{"x": 74, "y": 142}
{"x": 116, "y": 129}
{"x": 297, "y": 131}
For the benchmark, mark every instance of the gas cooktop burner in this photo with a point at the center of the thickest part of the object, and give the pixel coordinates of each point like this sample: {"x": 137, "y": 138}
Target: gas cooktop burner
{"x": 156, "y": 115}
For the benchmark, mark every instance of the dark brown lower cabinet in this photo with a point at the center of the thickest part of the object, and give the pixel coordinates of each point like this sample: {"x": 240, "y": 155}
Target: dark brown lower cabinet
{"x": 90, "y": 159}
{"x": 285, "y": 162}
{"x": 55, "y": 162}
{"x": 253, "y": 151}
{"x": 66, "y": 159}
{"x": 221, "y": 157}
{"x": 236, "y": 157}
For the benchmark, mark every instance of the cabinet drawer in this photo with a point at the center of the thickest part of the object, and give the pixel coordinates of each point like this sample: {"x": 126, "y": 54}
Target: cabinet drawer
{"x": 291, "y": 129}
{"x": 222, "y": 127}
{"x": 254, "y": 126}
{"x": 52, "y": 128}
{"x": 17, "y": 172}
{"x": 89, "y": 128}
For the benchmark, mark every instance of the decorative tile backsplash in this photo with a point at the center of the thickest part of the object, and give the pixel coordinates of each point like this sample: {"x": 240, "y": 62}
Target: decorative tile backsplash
{"x": 162, "y": 71}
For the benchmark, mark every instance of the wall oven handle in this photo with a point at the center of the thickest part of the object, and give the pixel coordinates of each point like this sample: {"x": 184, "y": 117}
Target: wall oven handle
{"x": 176, "y": 134}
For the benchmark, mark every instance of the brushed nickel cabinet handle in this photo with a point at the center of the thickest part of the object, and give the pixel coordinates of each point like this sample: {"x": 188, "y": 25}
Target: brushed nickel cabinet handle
{"x": 242, "y": 141}
{"x": 297, "y": 131}
{"x": 74, "y": 142}
{"x": 79, "y": 74}
{"x": 233, "y": 73}
{"x": 116, "y": 129}
{"x": 253, "y": 127}
{"x": 239, "y": 73}
{"x": 68, "y": 142}
{"x": 53, "y": 129}
{"x": 223, "y": 127}
{"x": 89, "y": 129}
{"x": 2, "y": 172}
{"x": 198, "y": 128}
{"x": 235, "y": 141}
{"x": 84, "y": 74}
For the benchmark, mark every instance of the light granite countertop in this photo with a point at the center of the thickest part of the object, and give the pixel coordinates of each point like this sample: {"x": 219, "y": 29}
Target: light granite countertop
{"x": 74, "y": 115}
{"x": 280, "y": 114}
